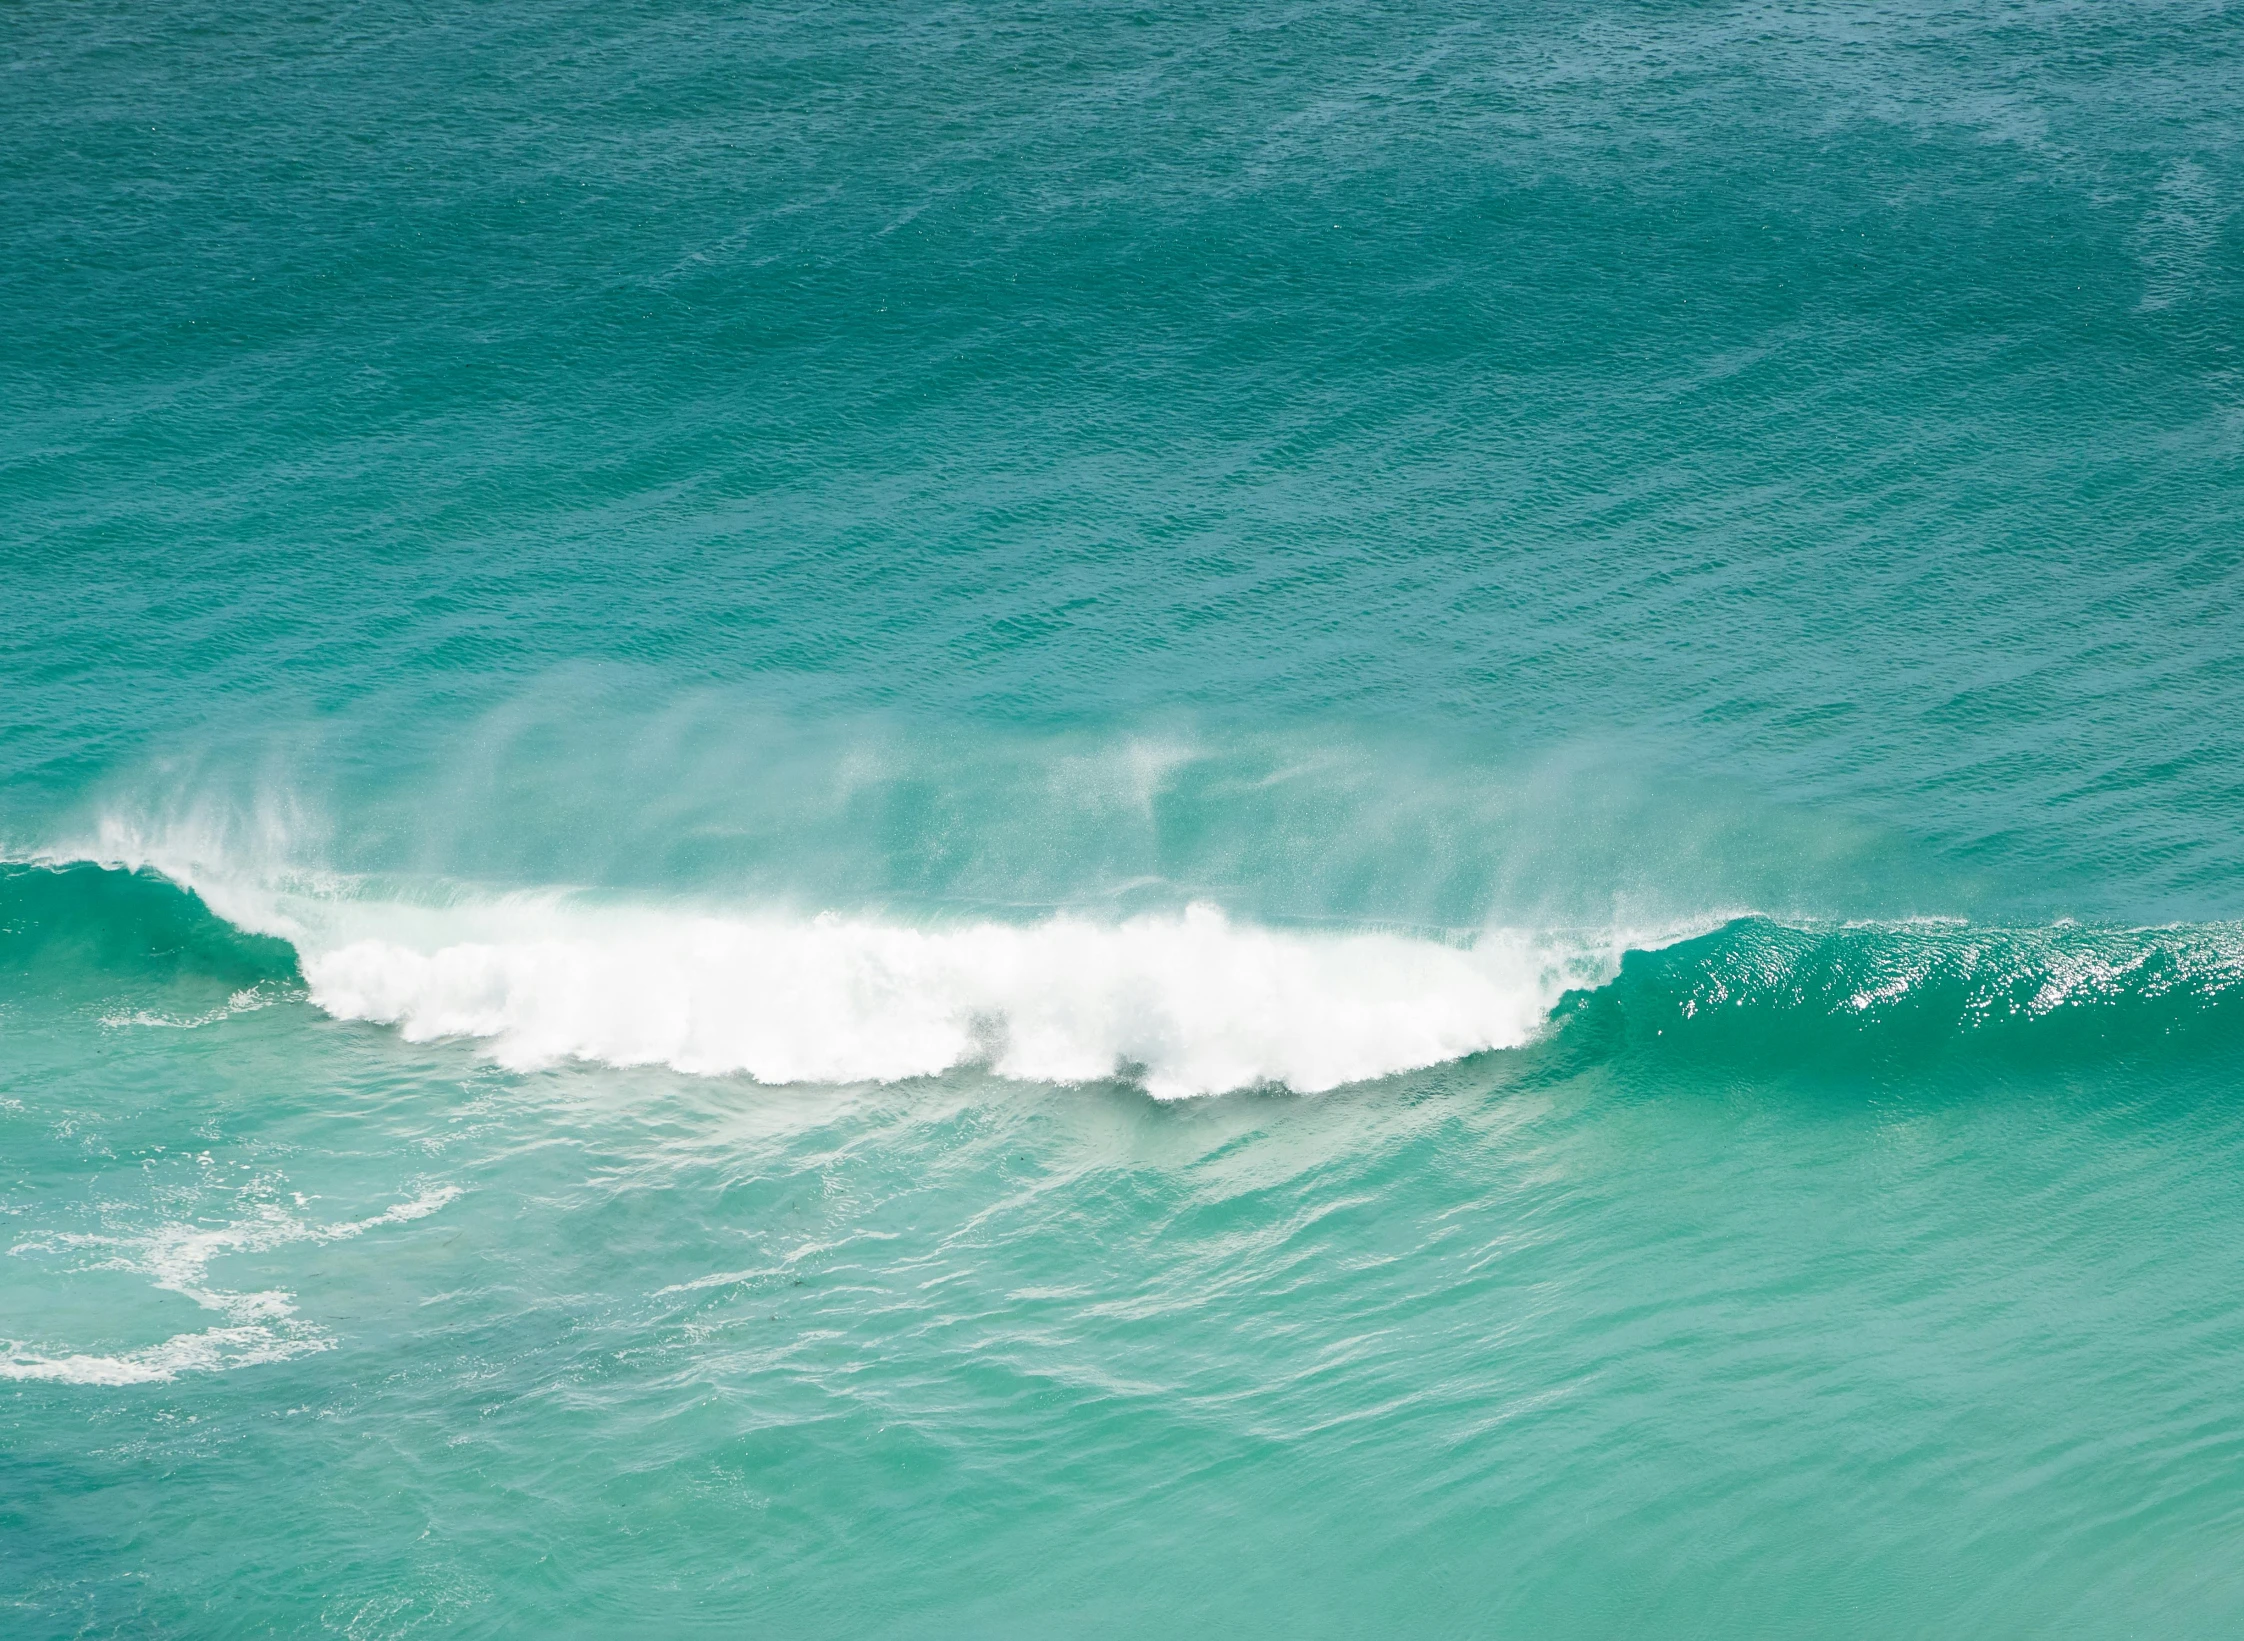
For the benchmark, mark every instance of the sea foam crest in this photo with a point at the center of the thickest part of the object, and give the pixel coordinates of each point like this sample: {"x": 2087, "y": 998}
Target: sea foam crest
{"x": 1188, "y": 1004}
{"x": 1185, "y": 1003}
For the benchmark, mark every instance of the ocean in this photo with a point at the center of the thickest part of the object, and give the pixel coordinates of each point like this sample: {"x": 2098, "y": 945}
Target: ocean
{"x": 1069, "y": 819}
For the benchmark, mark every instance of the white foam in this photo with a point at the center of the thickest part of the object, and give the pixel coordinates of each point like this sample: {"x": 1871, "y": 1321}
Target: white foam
{"x": 1186, "y": 1003}
{"x": 211, "y": 1351}
{"x": 246, "y": 1001}
{"x": 259, "y": 1327}
{"x": 1191, "y": 1004}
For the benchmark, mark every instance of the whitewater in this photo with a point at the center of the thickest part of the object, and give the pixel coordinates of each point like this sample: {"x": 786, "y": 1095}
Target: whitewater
{"x": 1184, "y": 1004}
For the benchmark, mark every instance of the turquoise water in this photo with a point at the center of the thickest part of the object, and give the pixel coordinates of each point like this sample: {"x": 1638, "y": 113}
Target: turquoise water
{"x": 1075, "y": 820}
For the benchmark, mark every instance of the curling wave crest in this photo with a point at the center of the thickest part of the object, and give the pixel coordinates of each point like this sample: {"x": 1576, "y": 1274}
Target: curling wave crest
{"x": 1182, "y": 1003}
{"x": 1186, "y": 1002}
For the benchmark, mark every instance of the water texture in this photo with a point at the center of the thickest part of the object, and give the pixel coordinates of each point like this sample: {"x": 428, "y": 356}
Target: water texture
{"x": 1059, "y": 819}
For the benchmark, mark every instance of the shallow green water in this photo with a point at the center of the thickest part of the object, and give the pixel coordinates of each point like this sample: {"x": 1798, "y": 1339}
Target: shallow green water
{"x": 1077, "y": 820}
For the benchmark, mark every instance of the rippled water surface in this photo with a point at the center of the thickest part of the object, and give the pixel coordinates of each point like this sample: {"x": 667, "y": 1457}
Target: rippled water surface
{"x": 1061, "y": 819}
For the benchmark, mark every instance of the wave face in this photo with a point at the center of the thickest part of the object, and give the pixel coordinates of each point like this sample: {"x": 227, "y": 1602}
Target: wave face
{"x": 1189, "y": 1004}
{"x": 1763, "y": 991}
{"x": 61, "y": 923}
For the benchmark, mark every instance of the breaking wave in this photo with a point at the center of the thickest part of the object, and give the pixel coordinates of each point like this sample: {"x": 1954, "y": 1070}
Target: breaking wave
{"x": 1185, "y": 1003}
